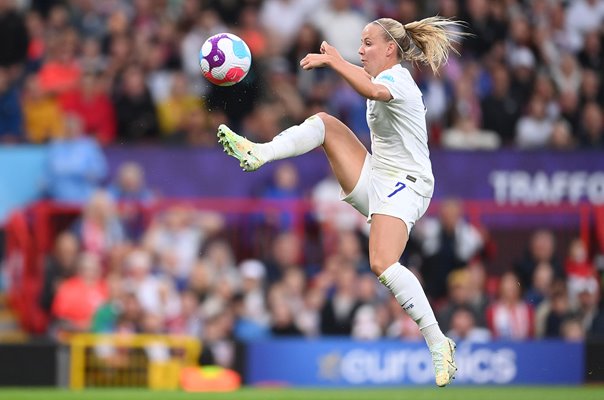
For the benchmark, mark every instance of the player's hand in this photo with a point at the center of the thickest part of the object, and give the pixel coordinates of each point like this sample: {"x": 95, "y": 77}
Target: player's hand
{"x": 329, "y": 55}
{"x": 328, "y": 49}
{"x": 314, "y": 60}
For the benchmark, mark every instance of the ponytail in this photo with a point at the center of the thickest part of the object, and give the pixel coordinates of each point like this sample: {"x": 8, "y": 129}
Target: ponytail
{"x": 427, "y": 41}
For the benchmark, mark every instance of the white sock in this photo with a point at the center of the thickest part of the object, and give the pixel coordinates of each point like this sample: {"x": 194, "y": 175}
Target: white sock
{"x": 410, "y": 295}
{"x": 298, "y": 139}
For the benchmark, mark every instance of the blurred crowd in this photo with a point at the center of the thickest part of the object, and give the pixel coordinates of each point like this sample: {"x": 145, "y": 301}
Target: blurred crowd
{"x": 244, "y": 275}
{"x": 530, "y": 75}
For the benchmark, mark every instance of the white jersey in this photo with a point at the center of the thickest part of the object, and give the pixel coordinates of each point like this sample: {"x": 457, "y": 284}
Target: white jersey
{"x": 399, "y": 140}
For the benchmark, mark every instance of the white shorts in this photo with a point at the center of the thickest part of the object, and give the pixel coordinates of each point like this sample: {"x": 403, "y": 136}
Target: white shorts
{"x": 379, "y": 193}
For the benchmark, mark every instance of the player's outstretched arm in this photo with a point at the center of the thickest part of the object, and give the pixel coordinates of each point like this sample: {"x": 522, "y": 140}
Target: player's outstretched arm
{"x": 356, "y": 76}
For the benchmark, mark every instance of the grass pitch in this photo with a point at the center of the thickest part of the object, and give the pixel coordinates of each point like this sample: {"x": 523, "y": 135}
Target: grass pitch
{"x": 451, "y": 393}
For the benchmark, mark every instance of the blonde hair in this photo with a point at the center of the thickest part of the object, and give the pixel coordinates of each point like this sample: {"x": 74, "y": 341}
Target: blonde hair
{"x": 427, "y": 41}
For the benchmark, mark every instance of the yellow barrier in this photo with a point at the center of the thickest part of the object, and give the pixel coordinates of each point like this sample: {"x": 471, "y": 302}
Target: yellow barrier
{"x": 152, "y": 361}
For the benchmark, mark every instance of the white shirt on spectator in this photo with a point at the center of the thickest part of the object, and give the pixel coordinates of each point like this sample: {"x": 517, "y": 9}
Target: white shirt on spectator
{"x": 339, "y": 29}
{"x": 284, "y": 18}
{"x": 533, "y": 133}
{"x": 584, "y": 16}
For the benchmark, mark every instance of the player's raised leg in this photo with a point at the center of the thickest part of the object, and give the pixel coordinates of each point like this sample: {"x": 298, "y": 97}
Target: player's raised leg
{"x": 345, "y": 152}
{"x": 387, "y": 240}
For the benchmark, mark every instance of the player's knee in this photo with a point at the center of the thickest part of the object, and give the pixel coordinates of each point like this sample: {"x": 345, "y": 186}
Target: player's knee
{"x": 379, "y": 265}
{"x": 325, "y": 117}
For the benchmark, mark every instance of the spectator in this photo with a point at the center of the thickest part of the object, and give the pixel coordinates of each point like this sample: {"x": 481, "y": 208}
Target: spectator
{"x": 559, "y": 311}
{"x": 541, "y": 284}
{"x": 584, "y": 16}
{"x": 43, "y": 116}
{"x": 106, "y": 316}
{"x": 252, "y": 32}
{"x": 365, "y": 325}
{"x": 542, "y": 311}
{"x": 570, "y": 109}
{"x": 459, "y": 290}
{"x": 544, "y": 90}
{"x": 542, "y": 248}
{"x": 335, "y": 20}
{"x": 534, "y": 130}
{"x": 487, "y": 28}
{"x": 36, "y": 30}
{"x": 92, "y": 60}
{"x": 591, "y": 132}
{"x": 136, "y": 115}
{"x": 351, "y": 249}
{"x": 561, "y": 138}
{"x": 130, "y": 185}
{"x": 572, "y": 330}
{"x": 500, "y": 110}
{"x": 587, "y": 304}
{"x": 201, "y": 278}
{"x": 523, "y": 70}
{"x": 509, "y": 317}
{"x": 338, "y": 313}
{"x": 76, "y": 165}
{"x": 282, "y": 86}
{"x": 446, "y": 244}
{"x": 307, "y": 41}
{"x": 282, "y": 20}
{"x": 11, "y": 118}
{"x": 465, "y": 135}
{"x": 189, "y": 321}
{"x": 173, "y": 111}
{"x": 90, "y": 22}
{"x": 466, "y": 115}
{"x": 566, "y": 74}
{"x": 591, "y": 89}
{"x": 220, "y": 254}
{"x": 592, "y": 54}
{"x": 175, "y": 238}
{"x": 92, "y": 104}
{"x": 99, "y": 229}
{"x": 463, "y": 327}
{"x": 78, "y": 297}
{"x": 132, "y": 194}
{"x": 60, "y": 72}
{"x": 283, "y": 321}
{"x": 59, "y": 266}
{"x": 13, "y": 52}
{"x": 580, "y": 272}
{"x": 155, "y": 295}
{"x": 255, "y": 310}
{"x": 219, "y": 348}
{"x": 199, "y": 129}
{"x": 284, "y": 186}
{"x": 286, "y": 253}
{"x": 597, "y": 326}
{"x": 309, "y": 318}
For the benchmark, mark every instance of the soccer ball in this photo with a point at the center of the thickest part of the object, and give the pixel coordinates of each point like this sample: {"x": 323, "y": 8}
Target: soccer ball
{"x": 225, "y": 59}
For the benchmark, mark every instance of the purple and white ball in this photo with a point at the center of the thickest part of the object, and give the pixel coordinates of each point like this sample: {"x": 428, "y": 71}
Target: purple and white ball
{"x": 225, "y": 59}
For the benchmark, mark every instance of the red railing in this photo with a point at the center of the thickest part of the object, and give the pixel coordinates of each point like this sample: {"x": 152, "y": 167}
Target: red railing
{"x": 30, "y": 233}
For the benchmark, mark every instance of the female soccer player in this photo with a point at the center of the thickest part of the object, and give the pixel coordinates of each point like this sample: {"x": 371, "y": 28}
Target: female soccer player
{"x": 393, "y": 185}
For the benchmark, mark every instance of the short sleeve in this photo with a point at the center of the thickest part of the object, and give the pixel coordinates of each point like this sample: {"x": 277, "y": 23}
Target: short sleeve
{"x": 393, "y": 81}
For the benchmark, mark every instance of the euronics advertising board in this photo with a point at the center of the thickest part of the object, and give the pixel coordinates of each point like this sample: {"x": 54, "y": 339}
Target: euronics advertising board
{"x": 343, "y": 362}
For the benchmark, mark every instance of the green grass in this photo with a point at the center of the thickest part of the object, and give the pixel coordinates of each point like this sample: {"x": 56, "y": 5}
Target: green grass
{"x": 451, "y": 393}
